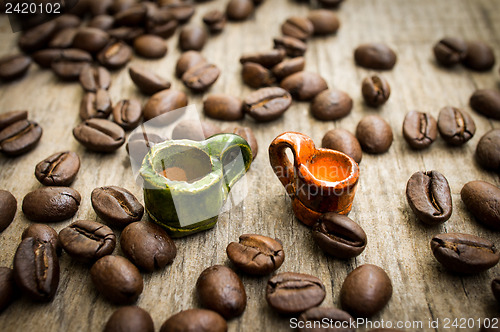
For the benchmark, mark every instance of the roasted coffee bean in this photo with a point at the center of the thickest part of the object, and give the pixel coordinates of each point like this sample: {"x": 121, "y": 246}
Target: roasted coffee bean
{"x": 266, "y": 58}
{"x": 449, "y": 51}
{"x": 215, "y": 20}
{"x": 51, "y": 204}
{"x": 117, "y": 6}
{"x": 8, "y": 208}
{"x": 293, "y": 47}
{"x": 288, "y": 67}
{"x": 68, "y": 64}
{"x": 429, "y": 196}
{"x": 43, "y": 233}
{"x": 115, "y": 55}
{"x": 163, "y": 102}
{"x": 365, "y": 291}
{"x": 495, "y": 288}
{"x": 192, "y": 320}
{"x": 223, "y": 107}
{"x": 147, "y": 245}
{"x": 68, "y": 21}
{"x": 63, "y": 38}
{"x": 126, "y": 34}
{"x": 375, "y": 90}
{"x": 95, "y": 105}
{"x": 103, "y": 22}
{"x": 37, "y": 38}
{"x": 488, "y": 150}
{"x": 14, "y": 66}
{"x": 292, "y": 293}
{"x": 181, "y": 11}
{"x": 256, "y": 254}
{"x": 148, "y": 82}
{"x": 161, "y": 23}
{"x": 192, "y": 38}
{"x": 117, "y": 279}
{"x": 91, "y": 40}
{"x": 304, "y": 85}
{"x": 256, "y": 76}
{"x": 419, "y": 129}
{"x": 130, "y": 319}
{"x": 325, "y": 22}
{"x": 239, "y": 10}
{"x": 486, "y": 102}
{"x": 374, "y": 134}
{"x": 201, "y": 77}
{"x": 95, "y": 78}
{"x": 187, "y": 60}
{"x": 210, "y": 129}
{"x": 267, "y": 104}
{"x": 36, "y": 269}
{"x": 150, "y": 46}
{"x": 464, "y": 253}
{"x": 139, "y": 144}
{"x": 221, "y": 290}
{"x": 330, "y": 3}
{"x": 331, "y": 105}
{"x": 195, "y": 131}
{"x": 132, "y": 16}
{"x": 247, "y": 134}
{"x": 313, "y": 320}
{"x": 482, "y": 199}
{"x": 117, "y": 206}
{"x": 375, "y": 56}
{"x": 455, "y": 126}
{"x": 479, "y": 56}
{"x": 342, "y": 140}
{"x": 338, "y": 236}
{"x": 99, "y": 135}
{"x": 20, "y": 137}
{"x": 127, "y": 113}
{"x": 44, "y": 58}
{"x": 98, "y": 7}
{"x": 59, "y": 169}
{"x": 298, "y": 27}
{"x": 87, "y": 241}
{"x": 8, "y": 118}
{"x": 8, "y": 287}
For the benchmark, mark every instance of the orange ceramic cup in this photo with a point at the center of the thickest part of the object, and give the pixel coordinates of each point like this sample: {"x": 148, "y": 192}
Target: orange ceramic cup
{"x": 319, "y": 181}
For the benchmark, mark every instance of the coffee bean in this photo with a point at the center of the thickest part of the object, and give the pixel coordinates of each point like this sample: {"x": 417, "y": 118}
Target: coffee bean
{"x": 239, "y": 10}
{"x": 330, "y": 3}
{"x": 342, "y": 140}
{"x": 8, "y": 118}
{"x": 455, "y": 126}
{"x": 201, "y": 77}
{"x": 51, "y": 204}
{"x": 63, "y": 39}
{"x": 292, "y": 293}
{"x": 117, "y": 206}
{"x": 375, "y": 56}
{"x": 115, "y": 55}
{"x": 14, "y": 66}
{"x": 44, "y": 233}
{"x": 87, "y": 241}
{"x": 150, "y": 46}
{"x": 36, "y": 269}
{"x": 256, "y": 254}
{"x": 479, "y": 56}
{"x": 331, "y": 105}
{"x": 187, "y": 60}
{"x": 482, "y": 199}
{"x": 313, "y": 320}
{"x": 374, "y": 134}
{"x": 91, "y": 40}
{"x": 126, "y": 34}
{"x": 163, "y": 102}
{"x": 223, "y": 107}
{"x": 99, "y": 135}
{"x": 256, "y": 76}
{"x": 118, "y": 280}
{"x": 215, "y": 20}
{"x": 449, "y": 51}
{"x": 8, "y": 287}
{"x": 304, "y": 85}
{"x": 266, "y": 58}
{"x": 44, "y": 58}
{"x": 148, "y": 246}
{"x": 419, "y": 129}
{"x": 248, "y": 135}
{"x": 267, "y": 104}
{"x": 96, "y": 7}
{"x": 339, "y": 236}
{"x": 103, "y": 22}
{"x": 325, "y": 22}
{"x": 95, "y": 105}
{"x": 20, "y": 137}
{"x": 132, "y": 16}
{"x": 375, "y": 90}
{"x": 195, "y": 131}
{"x": 59, "y": 169}
{"x": 148, "y": 82}
{"x": 161, "y": 23}
{"x": 8, "y": 208}
{"x": 37, "y": 38}
{"x": 192, "y": 38}
{"x": 139, "y": 144}
{"x": 221, "y": 290}
{"x": 488, "y": 150}
{"x": 95, "y": 78}
{"x": 68, "y": 64}
{"x": 127, "y": 113}
{"x": 464, "y": 253}
{"x": 486, "y": 102}
{"x": 298, "y": 27}
{"x": 181, "y": 11}
{"x": 293, "y": 47}
{"x": 209, "y": 129}
{"x": 429, "y": 196}
{"x": 130, "y": 319}
{"x": 195, "y": 320}
{"x": 119, "y": 5}
{"x": 288, "y": 67}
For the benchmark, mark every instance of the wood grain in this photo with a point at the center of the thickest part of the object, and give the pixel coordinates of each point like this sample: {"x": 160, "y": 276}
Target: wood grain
{"x": 397, "y": 241}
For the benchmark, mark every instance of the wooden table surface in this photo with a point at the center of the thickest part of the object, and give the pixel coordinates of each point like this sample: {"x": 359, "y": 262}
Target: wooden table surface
{"x": 397, "y": 242}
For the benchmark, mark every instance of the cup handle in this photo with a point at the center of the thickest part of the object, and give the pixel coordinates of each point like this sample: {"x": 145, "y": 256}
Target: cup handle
{"x": 302, "y": 147}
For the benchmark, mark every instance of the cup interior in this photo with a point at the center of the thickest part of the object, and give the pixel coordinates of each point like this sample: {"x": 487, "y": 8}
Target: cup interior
{"x": 330, "y": 166}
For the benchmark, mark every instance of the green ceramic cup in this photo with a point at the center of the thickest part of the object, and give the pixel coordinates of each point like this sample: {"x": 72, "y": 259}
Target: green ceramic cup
{"x": 186, "y": 182}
